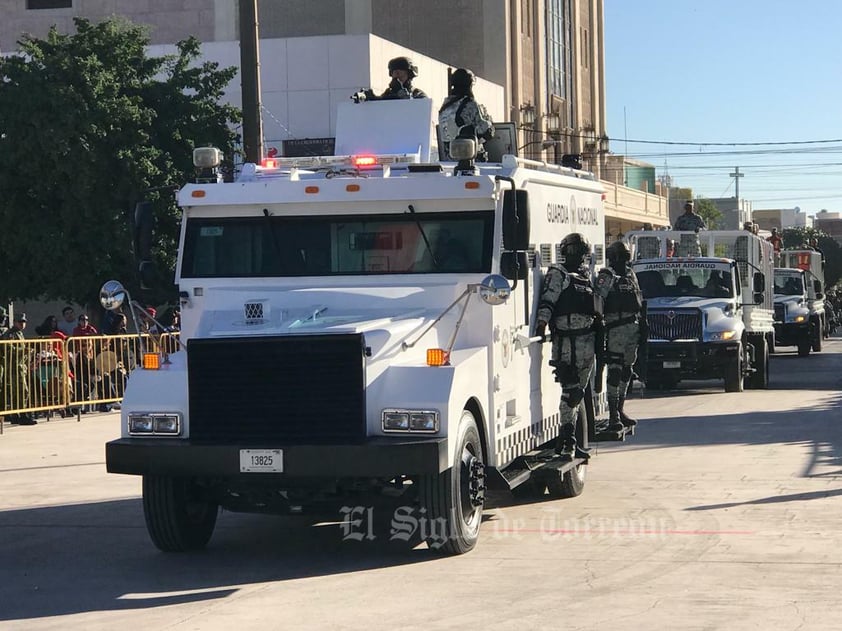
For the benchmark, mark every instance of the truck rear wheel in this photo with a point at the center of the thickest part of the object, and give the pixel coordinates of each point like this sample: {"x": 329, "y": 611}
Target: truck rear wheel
{"x": 759, "y": 379}
{"x": 454, "y": 499}
{"x": 734, "y": 373}
{"x": 178, "y": 516}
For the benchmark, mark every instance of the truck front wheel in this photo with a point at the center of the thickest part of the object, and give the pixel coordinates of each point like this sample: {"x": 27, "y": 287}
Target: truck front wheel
{"x": 759, "y": 379}
{"x": 816, "y": 334}
{"x": 179, "y": 517}
{"x": 734, "y": 373}
{"x": 454, "y": 500}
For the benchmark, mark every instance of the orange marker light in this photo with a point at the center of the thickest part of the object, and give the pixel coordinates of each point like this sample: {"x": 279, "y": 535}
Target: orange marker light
{"x": 311, "y": 189}
{"x": 197, "y": 194}
{"x": 471, "y": 184}
{"x": 352, "y": 188}
{"x": 438, "y": 357}
{"x": 151, "y": 361}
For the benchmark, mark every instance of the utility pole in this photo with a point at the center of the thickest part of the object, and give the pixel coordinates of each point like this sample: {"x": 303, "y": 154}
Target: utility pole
{"x": 737, "y": 175}
{"x": 250, "y": 82}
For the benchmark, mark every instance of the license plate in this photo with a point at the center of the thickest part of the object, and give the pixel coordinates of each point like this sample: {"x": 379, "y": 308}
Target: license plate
{"x": 672, "y": 364}
{"x": 261, "y": 460}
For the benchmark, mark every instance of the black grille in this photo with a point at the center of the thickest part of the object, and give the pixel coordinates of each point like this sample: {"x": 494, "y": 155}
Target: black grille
{"x": 675, "y": 325}
{"x": 779, "y": 312}
{"x": 278, "y": 390}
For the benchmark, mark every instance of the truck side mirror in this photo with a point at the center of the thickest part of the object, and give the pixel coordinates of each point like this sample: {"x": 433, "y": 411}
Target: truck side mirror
{"x": 758, "y": 297}
{"x": 759, "y": 282}
{"x": 515, "y": 220}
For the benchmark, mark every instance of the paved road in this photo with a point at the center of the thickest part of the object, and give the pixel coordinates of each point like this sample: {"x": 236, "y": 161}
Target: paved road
{"x": 721, "y": 513}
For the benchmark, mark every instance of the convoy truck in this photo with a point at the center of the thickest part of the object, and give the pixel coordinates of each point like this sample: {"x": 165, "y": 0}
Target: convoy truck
{"x": 800, "y": 318}
{"x": 709, "y": 299}
{"x": 354, "y": 326}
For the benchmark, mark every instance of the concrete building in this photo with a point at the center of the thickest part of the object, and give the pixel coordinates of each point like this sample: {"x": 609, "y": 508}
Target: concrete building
{"x": 829, "y": 222}
{"x": 548, "y": 56}
{"x": 782, "y": 218}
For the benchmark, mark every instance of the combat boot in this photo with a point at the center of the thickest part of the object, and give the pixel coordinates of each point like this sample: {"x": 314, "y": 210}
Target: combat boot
{"x": 614, "y": 422}
{"x": 566, "y": 442}
{"x": 625, "y": 419}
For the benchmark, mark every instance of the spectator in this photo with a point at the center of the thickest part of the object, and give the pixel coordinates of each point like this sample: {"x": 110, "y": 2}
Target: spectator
{"x": 83, "y": 351}
{"x": 68, "y": 322}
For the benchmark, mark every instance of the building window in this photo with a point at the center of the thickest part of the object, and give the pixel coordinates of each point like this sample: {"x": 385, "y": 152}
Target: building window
{"x": 586, "y": 48}
{"x": 560, "y": 51}
{"x": 49, "y": 4}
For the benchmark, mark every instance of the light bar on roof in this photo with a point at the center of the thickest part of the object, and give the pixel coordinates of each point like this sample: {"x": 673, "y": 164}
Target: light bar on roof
{"x": 366, "y": 160}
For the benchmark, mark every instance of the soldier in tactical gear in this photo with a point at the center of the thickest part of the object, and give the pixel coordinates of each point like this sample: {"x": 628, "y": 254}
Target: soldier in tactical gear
{"x": 461, "y": 115}
{"x": 567, "y": 304}
{"x": 622, "y": 311}
{"x": 402, "y": 71}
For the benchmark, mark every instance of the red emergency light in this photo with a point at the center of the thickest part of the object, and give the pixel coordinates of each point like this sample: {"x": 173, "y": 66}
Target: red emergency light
{"x": 364, "y": 161}
{"x": 269, "y": 163}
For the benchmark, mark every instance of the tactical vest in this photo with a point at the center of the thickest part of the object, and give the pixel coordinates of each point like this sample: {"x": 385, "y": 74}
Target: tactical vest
{"x": 577, "y": 298}
{"x": 450, "y": 120}
{"x": 625, "y": 295}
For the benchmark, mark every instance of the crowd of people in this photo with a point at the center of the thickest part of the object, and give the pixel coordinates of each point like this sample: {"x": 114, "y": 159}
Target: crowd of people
{"x": 97, "y": 361}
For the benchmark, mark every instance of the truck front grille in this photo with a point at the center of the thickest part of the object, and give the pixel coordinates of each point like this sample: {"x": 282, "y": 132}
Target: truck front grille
{"x": 675, "y": 325}
{"x": 277, "y": 390}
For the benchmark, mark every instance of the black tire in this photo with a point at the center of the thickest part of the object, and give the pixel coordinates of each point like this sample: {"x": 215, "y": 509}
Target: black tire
{"x": 454, "y": 499}
{"x": 816, "y": 335}
{"x": 734, "y": 373}
{"x": 179, "y": 517}
{"x": 804, "y": 347}
{"x": 759, "y": 379}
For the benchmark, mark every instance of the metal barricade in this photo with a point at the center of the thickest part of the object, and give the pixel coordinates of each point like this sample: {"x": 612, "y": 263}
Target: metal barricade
{"x": 72, "y": 376}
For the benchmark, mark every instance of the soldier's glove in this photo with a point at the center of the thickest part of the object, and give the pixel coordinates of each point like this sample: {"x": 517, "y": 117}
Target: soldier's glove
{"x": 541, "y": 330}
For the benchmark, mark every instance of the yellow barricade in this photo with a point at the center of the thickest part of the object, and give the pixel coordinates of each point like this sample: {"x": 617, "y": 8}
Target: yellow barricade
{"x": 79, "y": 374}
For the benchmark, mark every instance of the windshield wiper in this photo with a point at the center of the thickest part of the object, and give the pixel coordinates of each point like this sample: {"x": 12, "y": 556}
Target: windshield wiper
{"x": 424, "y": 236}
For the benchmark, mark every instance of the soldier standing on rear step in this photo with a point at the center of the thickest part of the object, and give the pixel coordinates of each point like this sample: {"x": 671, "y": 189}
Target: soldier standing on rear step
{"x": 567, "y": 304}
{"x": 623, "y": 304}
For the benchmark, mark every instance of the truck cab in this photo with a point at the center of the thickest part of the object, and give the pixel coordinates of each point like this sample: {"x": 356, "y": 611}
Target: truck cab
{"x": 800, "y": 318}
{"x": 710, "y": 315}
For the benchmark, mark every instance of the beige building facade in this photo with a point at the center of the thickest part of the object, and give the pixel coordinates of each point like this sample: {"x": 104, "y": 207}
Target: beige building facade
{"x": 547, "y": 54}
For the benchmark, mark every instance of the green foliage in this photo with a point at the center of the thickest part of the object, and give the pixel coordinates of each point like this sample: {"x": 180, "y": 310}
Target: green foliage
{"x": 89, "y": 123}
{"x": 709, "y": 212}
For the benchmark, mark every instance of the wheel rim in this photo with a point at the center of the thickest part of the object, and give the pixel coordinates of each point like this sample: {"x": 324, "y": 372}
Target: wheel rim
{"x": 471, "y": 485}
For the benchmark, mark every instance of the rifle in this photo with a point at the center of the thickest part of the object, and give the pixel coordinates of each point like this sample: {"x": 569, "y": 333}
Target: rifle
{"x": 599, "y": 351}
{"x": 640, "y": 365}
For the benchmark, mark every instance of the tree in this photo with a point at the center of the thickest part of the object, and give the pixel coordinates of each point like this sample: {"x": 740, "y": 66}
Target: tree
{"x": 88, "y": 125}
{"x": 709, "y": 212}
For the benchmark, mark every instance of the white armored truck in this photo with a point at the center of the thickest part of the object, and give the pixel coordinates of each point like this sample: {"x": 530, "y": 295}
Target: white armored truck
{"x": 800, "y": 318}
{"x": 709, "y": 298}
{"x": 358, "y": 325}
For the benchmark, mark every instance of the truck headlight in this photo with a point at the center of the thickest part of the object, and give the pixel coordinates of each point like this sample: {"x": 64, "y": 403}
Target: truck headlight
{"x": 799, "y": 319}
{"x": 145, "y": 424}
{"x": 723, "y": 336}
{"x": 410, "y": 420}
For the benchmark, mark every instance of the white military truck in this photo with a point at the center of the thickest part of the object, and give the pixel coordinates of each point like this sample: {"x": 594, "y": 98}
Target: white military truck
{"x": 800, "y": 318}
{"x": 349, "y": 331}
{"x": 709, "y": 300}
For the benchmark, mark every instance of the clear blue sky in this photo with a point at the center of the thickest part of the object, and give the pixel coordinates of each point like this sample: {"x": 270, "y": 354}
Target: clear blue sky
{"x": 730, "y": 71}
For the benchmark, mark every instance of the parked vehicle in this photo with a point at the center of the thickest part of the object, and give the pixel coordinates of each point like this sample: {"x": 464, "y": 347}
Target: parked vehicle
{"x": 800, "y": 314}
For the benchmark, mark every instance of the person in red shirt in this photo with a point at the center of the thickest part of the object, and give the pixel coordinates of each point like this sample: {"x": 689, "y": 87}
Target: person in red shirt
{"x": 775, "y": 240}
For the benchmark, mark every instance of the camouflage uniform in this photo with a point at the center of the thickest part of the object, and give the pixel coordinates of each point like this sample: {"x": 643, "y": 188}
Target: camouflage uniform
{"x": 572, "y": 338}
{"x": 16, "y": 383}
{"x": 688, "y": 244}
{"x": 623, "y": 302}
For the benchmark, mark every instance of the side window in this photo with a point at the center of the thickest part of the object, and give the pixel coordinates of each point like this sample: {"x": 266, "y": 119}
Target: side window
{"x": 34, "y": 5}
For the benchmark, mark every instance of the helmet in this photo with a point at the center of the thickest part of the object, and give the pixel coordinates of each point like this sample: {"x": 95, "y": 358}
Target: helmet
{"x": 403, "y": 63}
{"x": 618, "y": 253}
{"x": 461, "y": 80}
{"x": 574, "y": 248}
